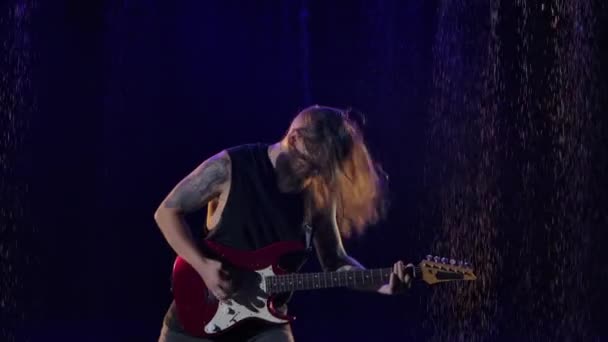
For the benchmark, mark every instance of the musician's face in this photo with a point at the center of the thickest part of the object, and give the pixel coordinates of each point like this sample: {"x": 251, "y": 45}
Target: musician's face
{"x": 294, "y": 166}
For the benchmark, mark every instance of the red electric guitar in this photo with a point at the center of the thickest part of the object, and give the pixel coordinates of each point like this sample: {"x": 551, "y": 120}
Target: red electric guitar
{"x": 203, "y": 315}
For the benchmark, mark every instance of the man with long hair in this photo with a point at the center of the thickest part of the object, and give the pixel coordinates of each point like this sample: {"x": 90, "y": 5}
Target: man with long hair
{"x": 320, "y": 174}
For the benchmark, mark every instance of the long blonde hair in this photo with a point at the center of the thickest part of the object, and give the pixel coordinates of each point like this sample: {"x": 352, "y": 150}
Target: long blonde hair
{"x": 349, "y": 177}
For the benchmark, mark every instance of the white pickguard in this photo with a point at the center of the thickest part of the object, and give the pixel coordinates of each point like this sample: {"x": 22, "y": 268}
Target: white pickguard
{"x": 251, "y": 303}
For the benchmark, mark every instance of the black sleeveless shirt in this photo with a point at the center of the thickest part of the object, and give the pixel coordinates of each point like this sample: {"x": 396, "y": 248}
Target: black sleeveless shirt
{"x": 256, "y": 213}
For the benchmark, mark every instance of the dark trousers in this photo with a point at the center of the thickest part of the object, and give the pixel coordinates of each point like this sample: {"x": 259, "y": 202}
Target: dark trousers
{"x": 251, "y": 331}
{"x": 281, "y": 333}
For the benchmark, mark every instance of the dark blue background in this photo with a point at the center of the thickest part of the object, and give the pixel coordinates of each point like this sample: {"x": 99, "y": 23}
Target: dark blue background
{"x": 131, "y": 95}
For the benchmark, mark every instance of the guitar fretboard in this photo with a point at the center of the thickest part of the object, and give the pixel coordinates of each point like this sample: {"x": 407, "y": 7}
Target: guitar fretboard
{"x": 309, "y": 281}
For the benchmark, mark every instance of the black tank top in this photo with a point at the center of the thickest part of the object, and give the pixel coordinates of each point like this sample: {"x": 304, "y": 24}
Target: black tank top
{"x": 256, "y": 213}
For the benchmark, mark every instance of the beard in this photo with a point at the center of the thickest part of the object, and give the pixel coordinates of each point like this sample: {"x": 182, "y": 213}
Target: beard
{"x": 291, "y": 175}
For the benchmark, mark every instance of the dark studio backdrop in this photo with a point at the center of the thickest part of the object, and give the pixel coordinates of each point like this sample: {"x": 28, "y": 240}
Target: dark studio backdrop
{"x": 489, "y": 116}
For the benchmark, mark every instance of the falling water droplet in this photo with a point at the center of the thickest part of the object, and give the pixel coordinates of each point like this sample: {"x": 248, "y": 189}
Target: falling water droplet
{"x": 16, "y": 105}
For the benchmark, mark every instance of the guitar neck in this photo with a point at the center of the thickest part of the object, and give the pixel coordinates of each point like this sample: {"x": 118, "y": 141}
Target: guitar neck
{"x": 310, "y": 281}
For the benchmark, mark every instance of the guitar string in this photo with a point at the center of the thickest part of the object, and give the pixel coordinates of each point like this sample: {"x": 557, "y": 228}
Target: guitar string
{"x": 285, "y": 282}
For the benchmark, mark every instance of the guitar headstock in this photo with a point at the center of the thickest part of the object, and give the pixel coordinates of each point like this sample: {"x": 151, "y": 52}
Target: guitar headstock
{"x": 435, "y": 269}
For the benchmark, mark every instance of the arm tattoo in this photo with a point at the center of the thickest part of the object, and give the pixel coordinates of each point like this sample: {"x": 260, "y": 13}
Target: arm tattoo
{"x": 200, "y": 186}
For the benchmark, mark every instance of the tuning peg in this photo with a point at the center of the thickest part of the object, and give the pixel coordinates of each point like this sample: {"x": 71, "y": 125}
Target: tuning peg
{"x": 460, "y": 263}
{"x": 466, "y": 264}
{"x": 429, "y": 257}
{"x": 452, "y": 262}
{"x": 436, "y": 258}
{"x": 444, "y": 260}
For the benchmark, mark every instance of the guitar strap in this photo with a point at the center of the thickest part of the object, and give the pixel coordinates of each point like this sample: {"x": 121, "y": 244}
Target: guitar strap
{"x": 309, "y": 232}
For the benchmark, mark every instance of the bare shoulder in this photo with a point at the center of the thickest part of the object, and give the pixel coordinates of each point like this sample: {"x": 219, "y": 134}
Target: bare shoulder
{"x": 219, "y": 163}
{"x": 207, "y": 181}
{"x": 215, "y": 171}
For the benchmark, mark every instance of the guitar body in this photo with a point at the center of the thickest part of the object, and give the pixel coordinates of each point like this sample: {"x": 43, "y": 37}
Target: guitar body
{"x": 202, "y": 315}
{"x": 257, "y": 278}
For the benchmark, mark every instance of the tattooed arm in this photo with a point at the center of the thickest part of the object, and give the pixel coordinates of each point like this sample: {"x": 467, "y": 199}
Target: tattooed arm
{"x": 207, "y": 182}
